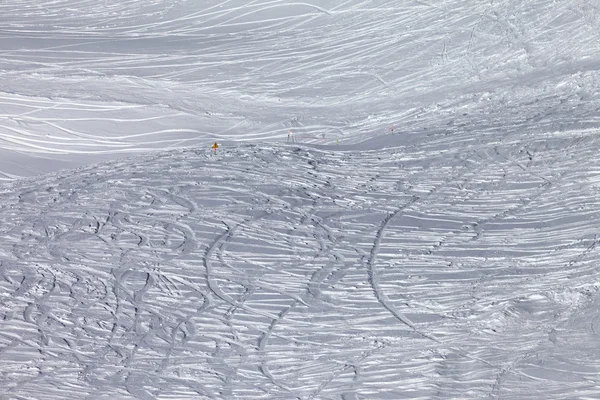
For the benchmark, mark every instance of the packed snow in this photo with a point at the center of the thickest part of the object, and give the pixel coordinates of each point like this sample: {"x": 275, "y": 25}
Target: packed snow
{"x": 404, "y": 202}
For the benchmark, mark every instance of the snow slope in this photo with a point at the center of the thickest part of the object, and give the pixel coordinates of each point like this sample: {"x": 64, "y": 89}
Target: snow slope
{"x": 456, "y": 258}
{"x": 84, "y": 80}
{"x": 301, "y": 272}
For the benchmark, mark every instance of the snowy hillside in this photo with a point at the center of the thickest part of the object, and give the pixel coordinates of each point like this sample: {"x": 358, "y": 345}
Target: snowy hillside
{"x": 317, "y": 254}
{"x": 87, "y": 80}
{"x": 298, "y": 272}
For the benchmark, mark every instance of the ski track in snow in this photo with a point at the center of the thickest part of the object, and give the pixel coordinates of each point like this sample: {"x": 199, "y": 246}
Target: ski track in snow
{"x": 90, "y": 81}
{"x": 434, "y": 273}
{"x": 457, "y": 258}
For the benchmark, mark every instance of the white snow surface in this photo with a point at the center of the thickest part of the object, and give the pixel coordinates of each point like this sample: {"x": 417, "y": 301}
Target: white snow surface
{"x": 318, "y": 254}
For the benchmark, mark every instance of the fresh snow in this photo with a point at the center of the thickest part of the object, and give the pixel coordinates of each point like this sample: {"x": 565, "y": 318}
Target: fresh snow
{"x": 317, "y": 254}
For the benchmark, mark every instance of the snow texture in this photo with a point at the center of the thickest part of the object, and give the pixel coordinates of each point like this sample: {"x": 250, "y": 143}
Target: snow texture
{"x": 317, "y": 254}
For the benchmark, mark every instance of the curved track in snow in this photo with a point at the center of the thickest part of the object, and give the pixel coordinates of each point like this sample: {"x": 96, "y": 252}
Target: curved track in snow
{"x": 86, "y": 81}
{"x": 455, "y": 258}
{"x": 444, "y": 273}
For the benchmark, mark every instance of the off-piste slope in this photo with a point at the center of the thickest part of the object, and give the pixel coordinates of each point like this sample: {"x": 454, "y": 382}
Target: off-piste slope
{"x": 288, "y": 271}
{"x": 83, "y": 80}
{"x": 456, "y": 258}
